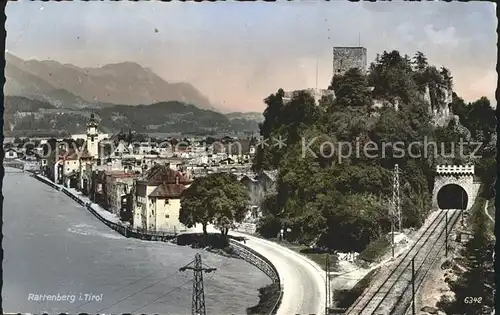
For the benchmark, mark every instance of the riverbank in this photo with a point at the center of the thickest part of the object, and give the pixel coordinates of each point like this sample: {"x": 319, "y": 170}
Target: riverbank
{"x": 268, "y": 299}
{"x": 54, "y": 245}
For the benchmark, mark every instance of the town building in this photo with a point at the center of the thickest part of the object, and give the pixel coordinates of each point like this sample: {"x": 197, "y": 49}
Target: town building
{"x": 119, "y": 187}
{"x": 258, "y": 187}
{"x": 120, "y": 150}
{"x": 157, "y": 196}
{"x": 68, "y": 164}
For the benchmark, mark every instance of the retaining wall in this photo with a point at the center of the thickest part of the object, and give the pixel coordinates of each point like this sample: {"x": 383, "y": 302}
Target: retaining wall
{"x": 123, "y": 230}
{"x": 262, "y": 263}
{"x": 246, "y": 253}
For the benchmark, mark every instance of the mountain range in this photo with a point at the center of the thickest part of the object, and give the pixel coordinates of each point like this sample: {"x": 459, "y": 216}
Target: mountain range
{"x": 72, "y": 87}
{"x": 47, "y": 97}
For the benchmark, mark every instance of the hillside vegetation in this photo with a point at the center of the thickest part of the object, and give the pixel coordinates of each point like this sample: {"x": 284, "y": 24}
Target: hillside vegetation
{"x": 24, "y": 116}
{"x": 341, "y": 200}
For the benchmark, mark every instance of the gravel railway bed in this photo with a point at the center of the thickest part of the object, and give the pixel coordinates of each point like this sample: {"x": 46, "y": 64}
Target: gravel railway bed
{"x": 391, "y": 292}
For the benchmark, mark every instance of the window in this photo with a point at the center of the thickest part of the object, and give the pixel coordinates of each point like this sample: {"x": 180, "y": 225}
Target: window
{"x": 167, "y": 216}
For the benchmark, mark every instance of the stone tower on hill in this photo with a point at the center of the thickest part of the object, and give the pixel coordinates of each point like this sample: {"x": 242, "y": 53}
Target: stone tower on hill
{"x": 345, "y": 58}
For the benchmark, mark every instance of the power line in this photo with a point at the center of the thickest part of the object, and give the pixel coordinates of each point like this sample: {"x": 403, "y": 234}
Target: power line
{"x": 162, "y": 296}
{"x": 122, "y": 287}
{"x": 198, "y": 300}
{"x": 192, "y": 280}
{"x": 143, "y": 289}
{"x": 131, "y": 295}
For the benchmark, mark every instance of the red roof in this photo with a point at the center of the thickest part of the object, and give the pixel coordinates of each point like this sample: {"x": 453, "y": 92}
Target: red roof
{"x": 121, "y": 174}
{"x": 163, "y": 174}
{"x": 168, "y": 191}
{"x": 72, "y": 154}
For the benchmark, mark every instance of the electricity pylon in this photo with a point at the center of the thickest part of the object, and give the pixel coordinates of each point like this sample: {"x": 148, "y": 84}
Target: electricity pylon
{"x": 395, "y": 196}
{"x": 198, "y": 302}
{"x": 394, "y": 207}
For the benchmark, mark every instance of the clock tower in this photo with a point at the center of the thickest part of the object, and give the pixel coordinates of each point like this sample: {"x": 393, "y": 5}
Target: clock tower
{"x": 92, "y": 137}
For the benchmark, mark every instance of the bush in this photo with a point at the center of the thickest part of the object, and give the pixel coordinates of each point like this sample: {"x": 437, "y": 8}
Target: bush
{"x": 345, "y": 298}
{"x": 268, "y": 296}
{"x": 375, "y": 249}
{"x": 199, "y": 240}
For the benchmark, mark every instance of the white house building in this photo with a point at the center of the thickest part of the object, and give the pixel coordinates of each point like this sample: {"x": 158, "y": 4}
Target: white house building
{"x": 158, "y": 200}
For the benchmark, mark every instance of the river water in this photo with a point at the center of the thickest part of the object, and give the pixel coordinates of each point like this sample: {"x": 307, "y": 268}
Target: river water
{"x": 53, "y": 246}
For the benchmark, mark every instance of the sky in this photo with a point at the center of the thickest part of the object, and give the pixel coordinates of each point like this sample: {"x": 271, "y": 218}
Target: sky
{"x": 238, "y": 53}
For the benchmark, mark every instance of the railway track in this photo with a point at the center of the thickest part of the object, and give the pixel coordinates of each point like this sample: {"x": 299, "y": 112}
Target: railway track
{"x": 391, "y": 294}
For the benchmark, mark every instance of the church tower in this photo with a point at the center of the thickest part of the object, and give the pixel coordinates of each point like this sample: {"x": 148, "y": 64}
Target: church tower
{"x": 92, "y": 139}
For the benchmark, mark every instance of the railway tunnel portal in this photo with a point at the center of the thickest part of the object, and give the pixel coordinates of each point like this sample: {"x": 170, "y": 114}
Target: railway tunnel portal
{"x": 454, "y": 187}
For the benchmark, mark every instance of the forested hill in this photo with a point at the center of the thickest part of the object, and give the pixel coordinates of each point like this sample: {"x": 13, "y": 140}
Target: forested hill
{"x": 164, "y": 117}
{"x": 342, "y": 197}
{"x": 24, "y": 116}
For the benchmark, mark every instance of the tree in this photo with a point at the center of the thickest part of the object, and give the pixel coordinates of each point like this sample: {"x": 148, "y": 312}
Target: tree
{"x": 458, "y": 107}
{"x": 391, "y": 75}
{"x": 481, "y": 119}
{"x": 218, "y": 199}
{"x": 447, "y": 78}
{"x": 287, "y": 121}
{"x": 351, "y": 89}
{"x": 269, "y": 225}
{"x": 420, "y": 62}
{"x": 326, "y": 190}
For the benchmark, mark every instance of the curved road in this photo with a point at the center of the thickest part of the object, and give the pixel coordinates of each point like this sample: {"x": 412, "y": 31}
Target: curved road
{"x": 486, "y": 211}
{"x": 303, "y": 280}
{"x": 53, "y": 246}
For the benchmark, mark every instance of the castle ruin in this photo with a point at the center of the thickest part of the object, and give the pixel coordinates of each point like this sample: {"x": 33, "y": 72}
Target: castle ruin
{"x": 345, "y": 58}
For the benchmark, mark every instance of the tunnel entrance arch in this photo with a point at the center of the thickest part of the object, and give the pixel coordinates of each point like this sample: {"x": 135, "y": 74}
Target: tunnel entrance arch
{"x": 452, "y": 196}
{"x": 446, "y": 194}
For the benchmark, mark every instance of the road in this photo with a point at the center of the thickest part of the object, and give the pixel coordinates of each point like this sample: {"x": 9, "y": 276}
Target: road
{"x": 303, "y": 280}
{"x": 52, "y": 245}
{"x": 487, "y": 212}
{"x": 390, "y": 292}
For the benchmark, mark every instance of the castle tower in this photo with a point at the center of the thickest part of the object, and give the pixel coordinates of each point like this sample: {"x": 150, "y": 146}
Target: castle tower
{"x": 345, "y": 58}
{"x": 92, "y": 137}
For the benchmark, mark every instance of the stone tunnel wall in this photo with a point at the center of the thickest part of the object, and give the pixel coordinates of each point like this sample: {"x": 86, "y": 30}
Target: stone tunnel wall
{"x": 466, "y": 182}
